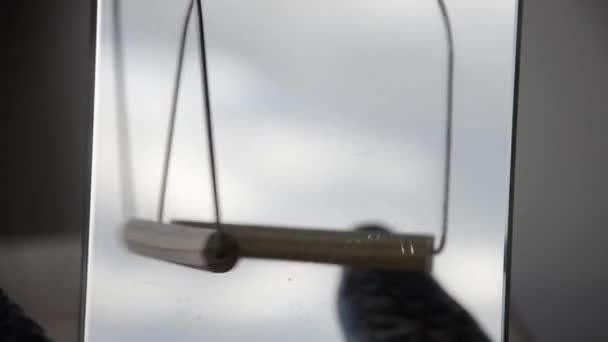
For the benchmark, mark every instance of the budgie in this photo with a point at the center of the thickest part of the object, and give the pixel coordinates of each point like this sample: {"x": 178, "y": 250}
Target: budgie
{"x": 15, "y": 326}
{"x": 397, "y": 306}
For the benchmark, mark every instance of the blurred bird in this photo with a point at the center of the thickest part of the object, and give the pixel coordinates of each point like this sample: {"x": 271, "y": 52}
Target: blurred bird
{"x": 15, "y": 326}
{"x": 391, "y": 306}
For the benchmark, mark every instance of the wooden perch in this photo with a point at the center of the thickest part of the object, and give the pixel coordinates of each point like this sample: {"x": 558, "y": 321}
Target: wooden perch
{"x": 200, "y": 245}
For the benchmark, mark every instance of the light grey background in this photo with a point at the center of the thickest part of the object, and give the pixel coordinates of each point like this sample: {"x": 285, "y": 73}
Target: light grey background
{"x": 326, "y": 114}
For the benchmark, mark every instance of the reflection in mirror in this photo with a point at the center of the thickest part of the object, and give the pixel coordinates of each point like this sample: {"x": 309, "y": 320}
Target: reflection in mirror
{"x": 325, "y": 114}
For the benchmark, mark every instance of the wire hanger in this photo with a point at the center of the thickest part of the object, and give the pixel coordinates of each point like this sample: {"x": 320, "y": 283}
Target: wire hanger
{"x": 217, "y": 246}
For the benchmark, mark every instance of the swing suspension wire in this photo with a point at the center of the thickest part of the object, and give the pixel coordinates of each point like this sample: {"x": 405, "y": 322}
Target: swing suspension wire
{"x": 208, "y": 116}
{"x": 210, "y": 141}
{"x": 173, "y": 115}
{"x": 449, "y": 123}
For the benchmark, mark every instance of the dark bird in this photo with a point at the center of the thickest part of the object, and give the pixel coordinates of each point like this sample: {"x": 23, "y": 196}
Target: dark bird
{"x": 15, "y": 326}
{"x": 391, "y": 306}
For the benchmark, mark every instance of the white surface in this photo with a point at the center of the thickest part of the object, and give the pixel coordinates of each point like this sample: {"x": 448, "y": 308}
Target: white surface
{"x": 326, "y": 113}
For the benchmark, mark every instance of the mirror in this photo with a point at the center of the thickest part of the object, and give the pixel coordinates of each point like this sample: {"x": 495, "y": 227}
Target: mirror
{"x": 326, "y": 114}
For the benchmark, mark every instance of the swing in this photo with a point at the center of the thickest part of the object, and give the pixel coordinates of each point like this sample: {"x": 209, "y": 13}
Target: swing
{"x": 217, "y": 246}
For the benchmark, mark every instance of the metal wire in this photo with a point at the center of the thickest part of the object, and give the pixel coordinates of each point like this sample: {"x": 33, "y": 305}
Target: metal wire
{"x": 448, "y": 135}
{"x": 170, "y": 132}
{"x": 208, "y": 116}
